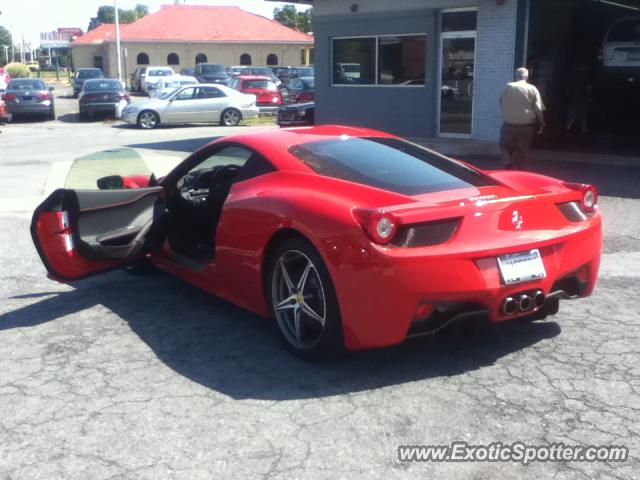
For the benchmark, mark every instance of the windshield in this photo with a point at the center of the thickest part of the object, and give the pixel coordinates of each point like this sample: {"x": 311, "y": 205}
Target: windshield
{"x": 212, "y": 69}
{"x": 388, "y": 163}
{"x": 164, "y": 94}
{"x": 267, "y": 84}
{"x": 26, "y": 85}
{"x": 625, "y": 31}
{"x": 89, "y": 74}
{"x": 160, "y": 73}
{"x": 95, "y": 85}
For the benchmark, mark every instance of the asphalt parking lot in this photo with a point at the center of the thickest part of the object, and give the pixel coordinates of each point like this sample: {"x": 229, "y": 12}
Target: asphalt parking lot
{"x": 124, "y": 376}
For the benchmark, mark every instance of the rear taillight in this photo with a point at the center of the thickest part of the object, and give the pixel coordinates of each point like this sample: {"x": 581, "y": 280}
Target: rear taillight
{"x": 600, "y": 54}
{"x": 124, "y": 96}
{"x": 44, "y": 96}
{"x": 589, "y": 195}
{"x": 10, "y": 97}
{"x": 380, "y": 226}
{"x": 87, "y": 98}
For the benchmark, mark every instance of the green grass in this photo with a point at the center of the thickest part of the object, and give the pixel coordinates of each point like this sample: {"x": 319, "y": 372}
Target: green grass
{"x": 252, "y": 122}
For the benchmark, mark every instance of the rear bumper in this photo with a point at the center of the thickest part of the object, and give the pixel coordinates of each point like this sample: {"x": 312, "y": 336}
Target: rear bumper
{"x": 383, "y": 293}
{"x": 251, "y": 112}
{"x": 30, "y": 108}
{"x": 98, "y": 107}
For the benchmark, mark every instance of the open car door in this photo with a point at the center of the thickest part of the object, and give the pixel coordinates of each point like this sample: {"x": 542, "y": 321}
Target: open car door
{"x": 79, "y": 233}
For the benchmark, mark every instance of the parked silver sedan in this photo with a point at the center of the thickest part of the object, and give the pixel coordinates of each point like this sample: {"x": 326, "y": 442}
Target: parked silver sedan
{"x": 193, "y": 104}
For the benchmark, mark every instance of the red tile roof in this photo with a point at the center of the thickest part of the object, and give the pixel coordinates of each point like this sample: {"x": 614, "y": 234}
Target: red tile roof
{"x": 106, "y": 31}
{"x": 195, "y": 23}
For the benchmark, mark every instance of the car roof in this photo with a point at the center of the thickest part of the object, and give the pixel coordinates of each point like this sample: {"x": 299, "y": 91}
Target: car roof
{"x": 253, "y": 77}
{"x": 90, "y": 69}
{"x": 275, "y": 144}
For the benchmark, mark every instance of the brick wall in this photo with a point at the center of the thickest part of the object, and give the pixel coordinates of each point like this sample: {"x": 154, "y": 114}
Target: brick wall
{"x": 495, "y": 47}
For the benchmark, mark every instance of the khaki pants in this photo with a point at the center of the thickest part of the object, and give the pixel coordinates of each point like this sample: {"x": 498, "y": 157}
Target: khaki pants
{"x": 515, "y": 145}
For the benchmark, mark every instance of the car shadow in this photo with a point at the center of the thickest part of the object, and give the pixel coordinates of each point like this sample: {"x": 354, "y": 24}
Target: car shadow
{"x": 611, "y": 180}
{"x": 239, "y": 354}
{"x": 187, "y": 145}
{"x": 95, "y": 118}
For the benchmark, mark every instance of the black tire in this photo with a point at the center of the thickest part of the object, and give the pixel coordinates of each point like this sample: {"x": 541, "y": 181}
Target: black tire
{"x": 148, "y": 119}
{"x": 52, "y": 115}
{"x": 82, "y": 116}
{"x": 317, "y": 295}
{"x": 230, "y": 117}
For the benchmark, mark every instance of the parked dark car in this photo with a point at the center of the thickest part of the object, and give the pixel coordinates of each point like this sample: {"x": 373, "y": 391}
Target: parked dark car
{"x": 188, "y": 72}
{"x": 103, "y": 95}
{"x": 212, "y": 73}
{"x": 29, "y": 96}
{"x": 136, "y": 79}
{"x": 82, "y": 75}
{"x": 260, "y": 72}
{"x": 285, "y": 74}
{"x": 300, "y": 90}
{"x": 297, "y": 114}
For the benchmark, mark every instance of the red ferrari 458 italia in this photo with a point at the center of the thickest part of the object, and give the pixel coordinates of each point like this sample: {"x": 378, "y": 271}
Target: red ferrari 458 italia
{"x": 350, "y": 238}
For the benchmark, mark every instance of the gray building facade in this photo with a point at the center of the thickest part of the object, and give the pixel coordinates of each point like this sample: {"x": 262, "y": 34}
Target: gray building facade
{"x": 419, "y": 68}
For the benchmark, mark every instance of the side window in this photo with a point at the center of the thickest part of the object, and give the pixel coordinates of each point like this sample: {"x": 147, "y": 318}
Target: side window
{"x": 210, "y": 92}
{"x": 253, "y": 164}
{"x": 186, "y": 94}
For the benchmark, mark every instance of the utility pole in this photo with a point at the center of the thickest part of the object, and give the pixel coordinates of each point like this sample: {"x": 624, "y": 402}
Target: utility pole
{"x": 115, "y": 6}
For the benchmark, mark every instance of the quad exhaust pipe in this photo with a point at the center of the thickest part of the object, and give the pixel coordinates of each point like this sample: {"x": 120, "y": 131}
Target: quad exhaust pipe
{"x": 523, "y": 302}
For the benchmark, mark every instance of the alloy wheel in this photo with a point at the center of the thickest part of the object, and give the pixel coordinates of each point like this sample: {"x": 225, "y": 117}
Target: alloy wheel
{"x": 148, "y": 120}
{"x": 298, "y": 300}
{"x": 231, "y": 118}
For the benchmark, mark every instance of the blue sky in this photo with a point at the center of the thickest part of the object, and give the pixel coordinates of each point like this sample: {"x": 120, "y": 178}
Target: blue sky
{"x": 30, "y": 17}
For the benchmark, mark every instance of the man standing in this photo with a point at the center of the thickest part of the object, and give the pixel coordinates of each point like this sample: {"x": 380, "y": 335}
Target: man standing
{"x": 522, "y": 109}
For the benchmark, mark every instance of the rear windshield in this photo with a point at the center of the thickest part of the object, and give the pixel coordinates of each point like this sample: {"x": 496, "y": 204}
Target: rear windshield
{"x": 389, "y": 164}
{"x": 160, "y": 73}
{"x": 89, "y": 74}
{"x": 305, "y": 72}
{"x": 212, "y": 68}
{"x": 308, "y": 82}
{"x": 625, "y": 31}
{"x": 260, "y": 84}
{"x": 96, "y": 85}
{"x": 26, "y": 85}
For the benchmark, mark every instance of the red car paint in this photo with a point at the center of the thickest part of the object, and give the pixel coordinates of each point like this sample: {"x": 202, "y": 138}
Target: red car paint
{"x": 264, "y": 96}
{"x": 380, "y": 289}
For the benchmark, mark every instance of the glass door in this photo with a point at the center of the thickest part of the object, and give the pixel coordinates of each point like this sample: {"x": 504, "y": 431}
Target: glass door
{"x": 456, "y": 88}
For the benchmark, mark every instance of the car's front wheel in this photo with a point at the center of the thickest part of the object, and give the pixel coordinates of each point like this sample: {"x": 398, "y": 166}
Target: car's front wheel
{"x": 303, "y": 300}
{"x": 230, "y": 117}
{"x": 148, "y": 119}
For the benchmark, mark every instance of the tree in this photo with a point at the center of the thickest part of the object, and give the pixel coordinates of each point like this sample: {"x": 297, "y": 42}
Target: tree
{"x": 107, "y": 14}
{"x": 5, "y": 39}
{"x": 291, "y": 17}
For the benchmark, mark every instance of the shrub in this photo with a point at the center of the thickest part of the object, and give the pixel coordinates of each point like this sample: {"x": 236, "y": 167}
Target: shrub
{"x": 17, "y": 70}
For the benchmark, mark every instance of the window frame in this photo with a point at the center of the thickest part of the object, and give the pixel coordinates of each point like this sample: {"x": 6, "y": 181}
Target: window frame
{"x": 377, "y": 83}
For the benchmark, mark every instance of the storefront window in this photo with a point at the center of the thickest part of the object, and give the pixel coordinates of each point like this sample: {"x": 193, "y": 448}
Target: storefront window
{"x": 401, "y": 60}
{"x": 354, "y": 61}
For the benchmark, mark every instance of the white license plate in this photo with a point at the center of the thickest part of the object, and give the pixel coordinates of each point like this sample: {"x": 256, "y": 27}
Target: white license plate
{"x": 521, "y": 267}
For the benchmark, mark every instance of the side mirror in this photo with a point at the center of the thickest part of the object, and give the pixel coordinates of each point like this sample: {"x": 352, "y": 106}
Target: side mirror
{"x": 51, "y": 89}
{"x": 112, "y": 182}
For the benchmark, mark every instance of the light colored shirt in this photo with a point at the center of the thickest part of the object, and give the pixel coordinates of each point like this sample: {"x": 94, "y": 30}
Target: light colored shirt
{"x": 519, "y": 103}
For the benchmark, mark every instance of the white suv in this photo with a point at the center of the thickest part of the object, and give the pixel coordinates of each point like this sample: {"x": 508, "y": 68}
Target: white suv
{"x": 153, "y": 75}
{"x": 621, "y": 45}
